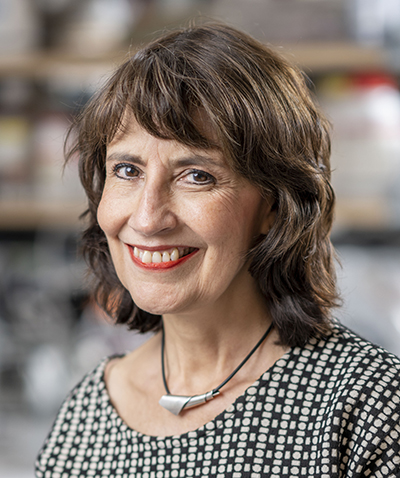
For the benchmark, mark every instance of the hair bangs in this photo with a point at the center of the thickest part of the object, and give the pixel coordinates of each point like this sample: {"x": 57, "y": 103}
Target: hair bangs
{"x": 164, "y": 99}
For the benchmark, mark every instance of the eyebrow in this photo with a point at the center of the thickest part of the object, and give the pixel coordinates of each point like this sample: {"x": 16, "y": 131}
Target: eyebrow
{"x": 131, "y": 158}
{"x": 192, "y": 160}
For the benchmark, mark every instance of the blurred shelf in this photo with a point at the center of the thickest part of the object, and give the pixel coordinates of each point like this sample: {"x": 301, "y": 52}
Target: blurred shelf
{"x": 27, "y": 215}
{"x": 361, "y": 213}
{"x": 344, "y": 56}
{"x": 368, "y": 238}
{"x": 365, "y": 222}
{"x": 41, "y": 65}
{"x": 364, "y": 219}
{"x": 318, "y": 57}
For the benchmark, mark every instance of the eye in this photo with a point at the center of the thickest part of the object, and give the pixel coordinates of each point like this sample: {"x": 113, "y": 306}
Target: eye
{"x": 197, "y": 176}
{"x": 125, "y": 171}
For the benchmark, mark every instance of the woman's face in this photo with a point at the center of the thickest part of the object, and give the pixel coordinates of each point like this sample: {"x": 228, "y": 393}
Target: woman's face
{"x": 178, "y": 222}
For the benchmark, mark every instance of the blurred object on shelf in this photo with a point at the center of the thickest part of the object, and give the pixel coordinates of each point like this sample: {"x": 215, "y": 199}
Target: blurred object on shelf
{"x": 46, "y": 378}
{"x": 70, "y": 85}
{"x": 20, "y": 30}
{"x": 15, "y": 135}
{"x": 369, "y": 22}
{"x": 374, "y": 22}
{"x": 51, "y": 332}
{"x": 39, "y": 275}
{"x": 278, "y": 21}
{"x": 100, "y": 26}
{"x": 88, "y": 27}
{"x": 365, "y": 112}
{"x": 15, "y": 138}
{"x": 16, "y": 94}
{"x": 97, "y": 27}
{"x": 377, "y": 23}
{"x": 50, "y": 180}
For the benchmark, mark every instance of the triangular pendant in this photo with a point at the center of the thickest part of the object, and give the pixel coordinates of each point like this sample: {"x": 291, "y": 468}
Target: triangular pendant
{"x": 176, "y": 403}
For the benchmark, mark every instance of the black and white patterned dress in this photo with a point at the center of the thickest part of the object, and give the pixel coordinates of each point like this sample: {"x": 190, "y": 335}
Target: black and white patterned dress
{"x": 330, "y": 409}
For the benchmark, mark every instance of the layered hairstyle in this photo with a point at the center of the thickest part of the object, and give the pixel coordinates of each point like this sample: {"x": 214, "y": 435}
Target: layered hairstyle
{"x": 270, "y": 131}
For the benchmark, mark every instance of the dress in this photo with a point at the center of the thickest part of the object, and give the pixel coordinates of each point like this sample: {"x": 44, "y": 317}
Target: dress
{"x": 329, "y": 409}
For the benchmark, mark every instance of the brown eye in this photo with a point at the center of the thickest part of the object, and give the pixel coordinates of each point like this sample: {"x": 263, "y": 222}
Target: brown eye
{"x": 200, "y": 177}
{"x": 126, "y": 171}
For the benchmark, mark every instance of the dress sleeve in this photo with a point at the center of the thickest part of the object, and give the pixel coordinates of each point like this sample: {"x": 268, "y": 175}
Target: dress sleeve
{"x": 370, "y": 424}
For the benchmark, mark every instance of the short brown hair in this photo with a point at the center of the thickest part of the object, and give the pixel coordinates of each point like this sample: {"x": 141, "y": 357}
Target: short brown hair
{"x": 269, "y": 129}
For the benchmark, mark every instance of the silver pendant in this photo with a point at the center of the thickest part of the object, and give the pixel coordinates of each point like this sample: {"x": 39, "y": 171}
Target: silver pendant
{"x": 176, "y": 403}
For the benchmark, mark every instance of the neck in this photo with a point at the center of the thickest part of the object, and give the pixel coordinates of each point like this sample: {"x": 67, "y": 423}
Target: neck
{"x": 177, "y": 403}
{"x": 202, "y": 349}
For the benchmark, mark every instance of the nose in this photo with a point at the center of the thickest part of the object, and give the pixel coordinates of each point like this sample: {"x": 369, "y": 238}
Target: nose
{"x": 153, "y": 213}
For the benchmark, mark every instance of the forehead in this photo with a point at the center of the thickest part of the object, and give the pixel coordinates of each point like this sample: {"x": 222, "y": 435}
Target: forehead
{"x": 199, "y": 131}
{"x": 130, "y": 131}
{"x": 134, "y": 143}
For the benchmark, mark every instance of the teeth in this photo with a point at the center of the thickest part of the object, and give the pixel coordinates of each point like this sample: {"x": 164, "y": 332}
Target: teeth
{"x": 165, "y": 257}
{"x": 175, "y": 255}
{"x": 147, "y": 257}
{"x": 155, "y": 257}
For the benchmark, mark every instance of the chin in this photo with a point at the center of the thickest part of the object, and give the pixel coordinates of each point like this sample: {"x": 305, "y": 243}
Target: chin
{"x": 157, "y": 308}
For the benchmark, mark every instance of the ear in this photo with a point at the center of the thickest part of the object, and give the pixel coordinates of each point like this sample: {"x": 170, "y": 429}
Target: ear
{"x": 268, "y": 215}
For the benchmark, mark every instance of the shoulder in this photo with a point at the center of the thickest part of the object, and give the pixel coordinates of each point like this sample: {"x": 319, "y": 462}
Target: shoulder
{"x": 351, "y": 389}
{"x": 93, "y": 383}
{"x": 369, "y": 367}
{"x": 83, "y": 404}
{"x": 355, "y": 363}
{"x": 348, "y": 373}
{"x": 364, "y": 380}
{"x": 91, "y": 388}
{"x": 353, "y": 353}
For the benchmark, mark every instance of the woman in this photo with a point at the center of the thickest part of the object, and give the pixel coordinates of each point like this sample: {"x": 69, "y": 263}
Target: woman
{"x": 206, "y": 165}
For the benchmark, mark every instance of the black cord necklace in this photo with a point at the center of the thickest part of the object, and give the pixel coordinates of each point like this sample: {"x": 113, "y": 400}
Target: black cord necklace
{"x": 176, "y": 403}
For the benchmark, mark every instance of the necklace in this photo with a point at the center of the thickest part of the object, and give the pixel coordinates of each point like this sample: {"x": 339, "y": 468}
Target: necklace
{"x": 176, "y": 403}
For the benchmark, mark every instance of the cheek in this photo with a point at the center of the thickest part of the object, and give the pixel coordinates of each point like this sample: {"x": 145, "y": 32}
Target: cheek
{"x": 210, "y": 219}
{"x": 225, "y": 221}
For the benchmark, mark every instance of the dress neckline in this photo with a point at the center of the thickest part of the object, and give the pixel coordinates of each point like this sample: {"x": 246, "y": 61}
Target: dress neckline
{"x": 237, "y": 407}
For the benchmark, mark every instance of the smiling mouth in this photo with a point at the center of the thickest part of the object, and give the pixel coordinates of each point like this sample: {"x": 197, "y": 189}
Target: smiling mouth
{"x": 160, "y": 259}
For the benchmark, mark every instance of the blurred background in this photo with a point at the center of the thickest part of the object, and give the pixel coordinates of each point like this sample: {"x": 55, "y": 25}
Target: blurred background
{"x": 53, "y": 55}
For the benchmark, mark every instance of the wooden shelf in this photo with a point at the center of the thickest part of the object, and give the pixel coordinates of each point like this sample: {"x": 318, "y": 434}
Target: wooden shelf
{"x": 42, "y": 65}
{"x": 28, "y": 215}
{"x": 318, "y": 57}
{"x": 339, "y": 56}
{"x": 362, "y": 213}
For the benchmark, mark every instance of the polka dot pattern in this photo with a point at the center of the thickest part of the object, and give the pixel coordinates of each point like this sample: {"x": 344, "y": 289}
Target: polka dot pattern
{"x": 330, "y": 409}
